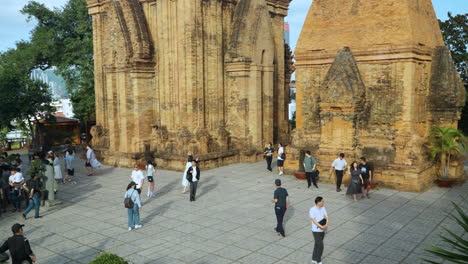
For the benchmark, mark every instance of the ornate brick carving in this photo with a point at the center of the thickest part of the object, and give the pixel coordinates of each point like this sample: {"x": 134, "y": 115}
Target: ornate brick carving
{"x": 174, "y": 77}
{"x": 380, "y": 100}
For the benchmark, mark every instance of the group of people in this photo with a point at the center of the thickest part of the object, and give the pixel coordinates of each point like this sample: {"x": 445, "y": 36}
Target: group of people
{"x": 361, "y": 176}
{"x": 317, "y": 215}
{"x": 361, "y": 172}
{"x": 134, "y": 189}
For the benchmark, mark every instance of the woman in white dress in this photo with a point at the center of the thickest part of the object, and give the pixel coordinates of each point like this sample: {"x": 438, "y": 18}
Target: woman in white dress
{"x": 185, "y": 183}
{"x": 91, "y": 161}
{"x": 57, "y": 169}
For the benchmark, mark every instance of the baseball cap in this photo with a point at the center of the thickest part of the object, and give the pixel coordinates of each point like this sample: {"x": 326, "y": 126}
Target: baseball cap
{"x": 278, "y": 182}
{"x": 16, "y": 227}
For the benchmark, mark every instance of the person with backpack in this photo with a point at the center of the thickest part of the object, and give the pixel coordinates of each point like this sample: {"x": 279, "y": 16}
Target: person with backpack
{"x": 132, "y": 202}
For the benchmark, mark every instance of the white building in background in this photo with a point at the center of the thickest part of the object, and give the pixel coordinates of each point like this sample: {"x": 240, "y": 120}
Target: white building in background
{"x": 63, "y": 108}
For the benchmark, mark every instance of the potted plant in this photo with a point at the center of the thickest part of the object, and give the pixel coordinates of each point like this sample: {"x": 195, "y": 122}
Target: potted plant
{"x": 300, "y": 174}
{"x": 446, "y": 143}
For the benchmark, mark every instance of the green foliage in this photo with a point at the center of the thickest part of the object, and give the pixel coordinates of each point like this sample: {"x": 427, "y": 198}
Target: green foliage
{"x": 446, "y": 143}
{"x": 36, "y": 168}
{"x": 63, "y": 38}
{"x": 459, "y": 249}
{"x": 455, "y": 33}
{"x": 292, "y": 122}
{"x": 22, "y": 98}
{"x": 108, "y": 258}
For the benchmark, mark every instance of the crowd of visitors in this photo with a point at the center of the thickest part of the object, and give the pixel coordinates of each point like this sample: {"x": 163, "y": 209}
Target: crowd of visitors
{"x": 15, "y": 190}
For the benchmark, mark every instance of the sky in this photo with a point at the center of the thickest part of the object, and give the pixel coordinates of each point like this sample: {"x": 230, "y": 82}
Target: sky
{"x": 14, "y": 27}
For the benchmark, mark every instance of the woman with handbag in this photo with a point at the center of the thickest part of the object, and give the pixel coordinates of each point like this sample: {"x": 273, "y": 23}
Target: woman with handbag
{"x": 133, "y": 204}
{"x": 354, "y": 186}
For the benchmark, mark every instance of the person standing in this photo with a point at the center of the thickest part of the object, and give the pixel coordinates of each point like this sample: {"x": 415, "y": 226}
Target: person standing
{"x": 33, "y": 187}
{"x": 138, "y": 178}
{"x": 188, "y": 165}
{"x": 193, "y": 176}
{"x": 134, "y": 212}
{"x": 15, "y": 192}
{"x": 339, "y": 164}
{"x": 356, "y": 180}
{"x": 18, "y": 245}
{"x": 91, "y": 161}
{"x": 281, "y": 200}
{"x": 320, "y": 221}
{"x": 280, "y": 159}
{"x": 310, "y": 169}
{"x": 366, "y": 173}
{"x": 269, "y": 155}
{"x": 150, "y": 174}
{"x": 69, "y": 156}
{"x": 57, "y": 169}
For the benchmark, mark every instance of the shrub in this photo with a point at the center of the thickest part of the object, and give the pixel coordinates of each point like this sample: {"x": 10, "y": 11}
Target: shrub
{"x": 108, "y": 258}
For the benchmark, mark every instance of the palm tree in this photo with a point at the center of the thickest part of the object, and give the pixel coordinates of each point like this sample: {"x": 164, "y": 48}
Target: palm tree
{"x": 446, "y": 143}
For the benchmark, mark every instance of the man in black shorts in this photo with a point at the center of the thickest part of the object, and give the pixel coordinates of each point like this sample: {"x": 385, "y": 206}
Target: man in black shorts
{"x": 366, "y": 172}
{"x": 19, "y": 247}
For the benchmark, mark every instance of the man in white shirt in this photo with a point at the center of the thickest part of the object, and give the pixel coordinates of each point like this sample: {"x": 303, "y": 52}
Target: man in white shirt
{"x": 339, "y": 165}
{"x": 138, "y": 178}
{"x": 318, "y": 216}
{"x": 281, "y": 158}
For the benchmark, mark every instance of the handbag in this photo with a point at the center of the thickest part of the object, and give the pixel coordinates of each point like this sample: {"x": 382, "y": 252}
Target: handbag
{"x": 128, "y": 202}
{"x": 355, "y": 181}
{"x": 283, "y": 156}
{"x": 323, "y": 221}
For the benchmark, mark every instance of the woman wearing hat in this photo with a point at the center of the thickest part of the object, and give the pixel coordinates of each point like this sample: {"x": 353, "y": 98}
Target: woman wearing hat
{"x": 133, "y": 213}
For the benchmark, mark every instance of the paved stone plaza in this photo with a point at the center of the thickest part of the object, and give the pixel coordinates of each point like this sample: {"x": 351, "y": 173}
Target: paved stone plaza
{"x": 232, "y": 221}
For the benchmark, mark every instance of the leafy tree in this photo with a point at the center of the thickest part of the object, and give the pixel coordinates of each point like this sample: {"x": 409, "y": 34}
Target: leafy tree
{"x": 455, "y": 33}
{"x": 63, "y": 39}
{"x": 22, "y": 97}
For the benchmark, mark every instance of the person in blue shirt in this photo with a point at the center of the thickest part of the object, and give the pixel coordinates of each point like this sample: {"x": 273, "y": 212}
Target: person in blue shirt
{"x": 133, "y": 213}
{"x": 69, "y": 165}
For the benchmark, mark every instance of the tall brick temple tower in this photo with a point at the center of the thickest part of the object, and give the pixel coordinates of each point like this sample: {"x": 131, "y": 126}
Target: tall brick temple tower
{"x": 372, "y": 77}
{"x": 172, "y": 77}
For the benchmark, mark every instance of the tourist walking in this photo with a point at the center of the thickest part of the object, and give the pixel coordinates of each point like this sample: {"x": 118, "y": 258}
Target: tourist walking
{"x": 188, "y": 165}
{"x": 339, "y": 165}
{"x": 57, "y": 169}
{"x": 133, "y": 213}
{"x": 193, "y": 176}
{"x": 281, "y": 200}
{"x": 354, "y": 186}
{"x": 150, "y": 175}
{"x": 310, "y": 169}
{"x": 269, "y": 155}
{"x": 69, "y": 157}
{"x": 91, "y": 161}
{"x": 320, "y": 221}
{"x": 18, "y": 245}
{"x": 138, "y": 178}
{"x": 33, "y": 187}
{"x": 280, "y": 159}
{"x": 366, "y": 173}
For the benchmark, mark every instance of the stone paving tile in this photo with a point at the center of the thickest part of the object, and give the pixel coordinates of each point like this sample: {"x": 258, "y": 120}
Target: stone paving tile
{"x": 258, "y": 258}
{"x": 233, "y": 252}
{"x": 232, "y": 221}
{"x": 276, "y": 251}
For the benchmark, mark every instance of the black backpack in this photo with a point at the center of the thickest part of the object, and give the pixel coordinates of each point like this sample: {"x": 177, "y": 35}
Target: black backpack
{"x": 128, "y": 202}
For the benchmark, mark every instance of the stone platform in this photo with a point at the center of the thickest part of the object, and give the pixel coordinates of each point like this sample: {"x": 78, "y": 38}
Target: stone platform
{"x": 232, "y": 221}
